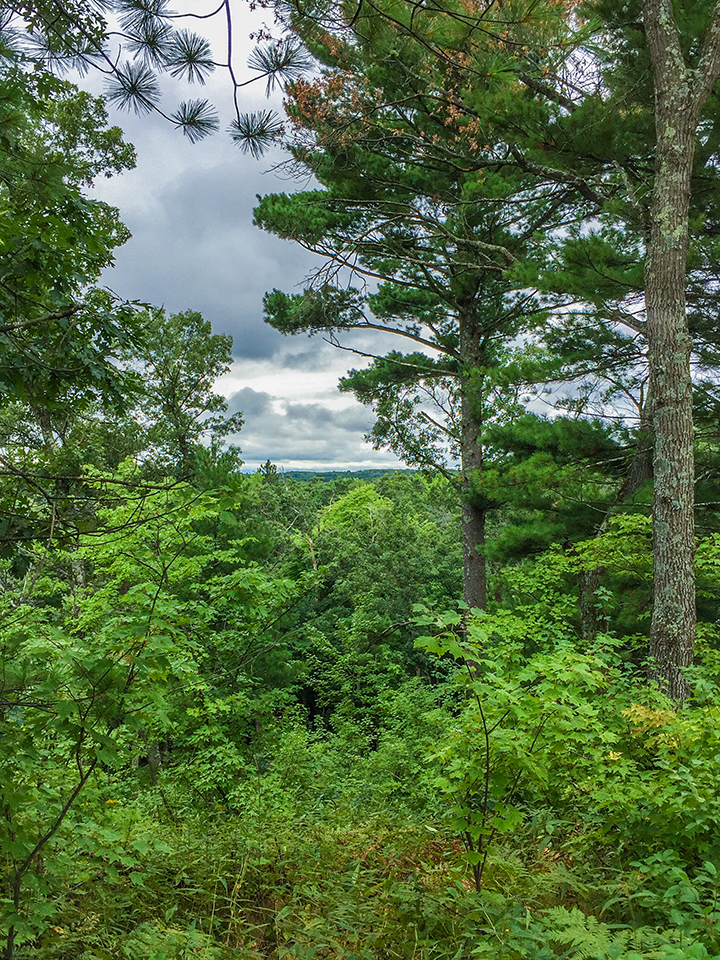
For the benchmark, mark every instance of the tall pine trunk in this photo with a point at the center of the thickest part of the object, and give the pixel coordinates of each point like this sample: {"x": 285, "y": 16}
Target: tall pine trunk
{"x": 672, "y": 631}
{"x": 473, "y": 512}
{"x": 680, "y": 93}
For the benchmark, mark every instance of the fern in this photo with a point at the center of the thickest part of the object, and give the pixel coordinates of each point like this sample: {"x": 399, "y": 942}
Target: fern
{"x": 587, "y": 937}
{"x": 155, "y": 941}
{"x": 577, "y": 936}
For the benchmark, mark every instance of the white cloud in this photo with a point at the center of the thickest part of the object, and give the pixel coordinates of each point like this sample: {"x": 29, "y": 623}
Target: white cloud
{"x": 194, "y": 246}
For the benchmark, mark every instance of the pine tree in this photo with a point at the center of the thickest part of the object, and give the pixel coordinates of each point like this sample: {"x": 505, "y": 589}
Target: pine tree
{"x": 591, "y": 128}
{"x": 411, "y": 201}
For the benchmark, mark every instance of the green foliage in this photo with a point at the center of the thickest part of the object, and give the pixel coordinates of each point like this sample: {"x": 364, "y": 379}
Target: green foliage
{"x": 526, "y": 721}
{"x": 56, "y": 330}
{"x": 358, "y": 891}
{"x": 413, "y": 200}
{"x": 308, "y": 785}
{"x": 661, "y": 789}
{"x": 376, "y": 549}
{"x": 180, "y": 360}
{"x": 552, "y": 479}
{"x": 76, "y": 38}
{"x": 72, "y": 700}
{"x": 313, "y": 310}
{"x": 93, "y": 670}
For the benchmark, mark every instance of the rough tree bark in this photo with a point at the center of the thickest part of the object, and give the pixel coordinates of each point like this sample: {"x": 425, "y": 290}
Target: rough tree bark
{"x": 471, "y": 451}
{"x": 680, "y": 93}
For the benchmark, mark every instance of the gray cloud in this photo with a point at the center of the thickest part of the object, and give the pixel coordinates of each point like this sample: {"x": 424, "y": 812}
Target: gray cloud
{"x": 303, "y": 433}
{"x": 194, "y": 246}
{"x": 252, "y": 403}
{"x": 279, "y": 419}
{"x": 319, "y": 357}
{"x": 352, "y": 419}
{"x": 309, "y": 413}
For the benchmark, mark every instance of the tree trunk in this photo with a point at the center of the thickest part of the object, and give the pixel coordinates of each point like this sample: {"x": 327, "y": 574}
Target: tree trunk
{"x": 10, "y": 940}
{"x": 589, "y": 581}
{"x": 672, "y": 631}
{"x": 473, "y": 543}
{"x": 680, "y": 93}
{"x": 471, "y": 451}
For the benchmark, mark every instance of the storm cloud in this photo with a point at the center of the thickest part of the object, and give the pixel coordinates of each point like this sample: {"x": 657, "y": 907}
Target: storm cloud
{"x": 194, "y": 246}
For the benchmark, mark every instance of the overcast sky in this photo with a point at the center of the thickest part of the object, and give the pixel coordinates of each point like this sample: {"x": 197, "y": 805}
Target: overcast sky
{"x": 194, "y": 246}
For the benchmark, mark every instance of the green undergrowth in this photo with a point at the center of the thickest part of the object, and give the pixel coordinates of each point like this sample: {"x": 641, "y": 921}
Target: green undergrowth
{"x": 225, "y": 888}
{"x": 544, "y": 805}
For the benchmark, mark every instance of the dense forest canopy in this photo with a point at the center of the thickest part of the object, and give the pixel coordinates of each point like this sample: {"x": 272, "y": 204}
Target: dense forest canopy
{"x": 462, "y": 710}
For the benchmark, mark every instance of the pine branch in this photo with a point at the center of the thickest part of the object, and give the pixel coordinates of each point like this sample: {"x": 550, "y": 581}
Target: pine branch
{"x": 279, "y": 62}
{"x": 190, "y": 57}
{"x": 255, "y": 132}
{"x": 196, "y": 119}
{"x": 133, "y": 87}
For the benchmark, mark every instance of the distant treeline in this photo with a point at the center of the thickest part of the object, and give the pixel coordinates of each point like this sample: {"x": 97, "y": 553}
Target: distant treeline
{"x": 328, "y": 475}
